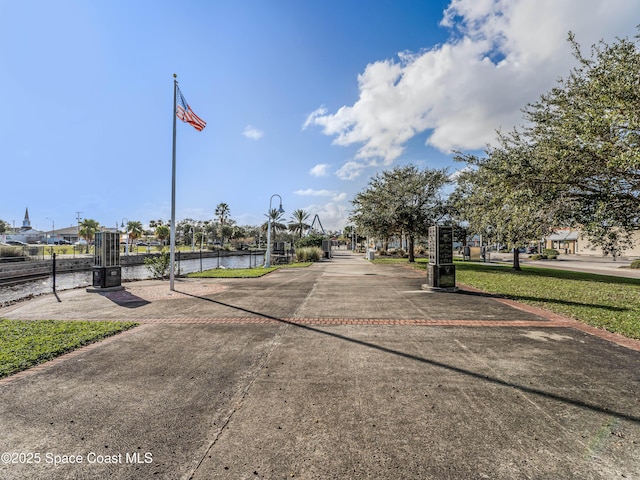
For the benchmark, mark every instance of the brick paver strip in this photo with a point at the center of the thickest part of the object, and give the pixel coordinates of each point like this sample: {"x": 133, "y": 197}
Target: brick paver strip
{"x": 552, "y": 320}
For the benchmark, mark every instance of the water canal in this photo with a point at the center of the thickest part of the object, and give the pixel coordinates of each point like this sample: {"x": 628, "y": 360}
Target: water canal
{"x": 66, "y": 281}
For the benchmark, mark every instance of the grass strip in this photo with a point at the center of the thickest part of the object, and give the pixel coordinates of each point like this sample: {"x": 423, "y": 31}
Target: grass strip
{"x": 603, "y": 301}
{"x": 243, "y": 272}
{"x": 24, "y": 344}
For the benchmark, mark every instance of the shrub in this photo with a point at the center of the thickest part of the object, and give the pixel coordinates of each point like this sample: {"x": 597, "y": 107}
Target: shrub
{"x": 635, "y": 264}
{"x": 309, "y": 254}
{"x": 420, "y": 250}
{"x": 10, "y": 251}
{"x": 311, "y": 240}
{"x": 550, "y": 253}
{"x": 158, "y": 265}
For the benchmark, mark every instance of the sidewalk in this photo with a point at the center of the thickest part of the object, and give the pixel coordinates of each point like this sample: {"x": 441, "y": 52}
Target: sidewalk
{"x": 341, "y": 370}
{"x": 579, "y": 263}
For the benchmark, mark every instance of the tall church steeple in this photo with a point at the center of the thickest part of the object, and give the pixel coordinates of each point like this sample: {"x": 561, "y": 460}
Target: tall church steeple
{"x": 26, "y": 223}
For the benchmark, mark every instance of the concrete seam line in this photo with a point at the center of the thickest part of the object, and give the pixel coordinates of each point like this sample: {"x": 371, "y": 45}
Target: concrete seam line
{"x": 238, "y": 397}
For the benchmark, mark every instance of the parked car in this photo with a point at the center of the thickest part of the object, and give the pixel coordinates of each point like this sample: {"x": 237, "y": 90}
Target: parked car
{"x": 16, "y": 242}
{"x": 532, "y": 250}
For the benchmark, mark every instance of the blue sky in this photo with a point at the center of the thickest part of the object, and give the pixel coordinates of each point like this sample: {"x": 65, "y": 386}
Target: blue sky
{"x": 305, "y": 99}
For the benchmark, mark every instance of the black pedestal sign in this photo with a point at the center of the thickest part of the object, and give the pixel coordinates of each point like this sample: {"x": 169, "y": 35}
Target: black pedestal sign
{"x": 441, "y": 272}
{"x": 107, "y": 272}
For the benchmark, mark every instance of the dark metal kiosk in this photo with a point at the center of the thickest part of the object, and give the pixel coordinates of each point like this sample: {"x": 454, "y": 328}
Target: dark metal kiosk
{"x": 106, "y": 270}
{"x": 441, "y": 272}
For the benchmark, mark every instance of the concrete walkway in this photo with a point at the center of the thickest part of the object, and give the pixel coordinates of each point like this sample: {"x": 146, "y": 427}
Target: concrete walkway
{"x": 579, "y": 263}
{"x": 341, "y": 370}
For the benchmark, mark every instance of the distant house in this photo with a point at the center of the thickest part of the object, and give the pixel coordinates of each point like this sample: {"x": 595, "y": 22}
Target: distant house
{"x": 564, "y": 240}
{"x": 574, "y": 241}
{"x": 63, "y": 235}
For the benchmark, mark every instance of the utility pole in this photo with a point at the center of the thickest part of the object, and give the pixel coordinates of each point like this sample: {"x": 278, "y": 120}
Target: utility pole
{"x": 78, "y": 241}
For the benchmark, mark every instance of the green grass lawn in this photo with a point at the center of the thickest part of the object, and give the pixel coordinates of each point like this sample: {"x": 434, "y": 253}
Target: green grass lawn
{"x": 24, "y": 344}
{"x": 243, "y": 272}
{"x": 609, "y": 302}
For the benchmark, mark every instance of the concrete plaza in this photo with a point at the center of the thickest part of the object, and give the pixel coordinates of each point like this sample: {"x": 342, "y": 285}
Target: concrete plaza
{"x": 341, "y": 370}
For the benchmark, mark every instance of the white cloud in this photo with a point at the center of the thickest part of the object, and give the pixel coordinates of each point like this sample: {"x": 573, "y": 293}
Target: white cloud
{"x": 252, "y": 133}
{"x": 455, "y": 175}
{"x": 319, "y": 112}
{"x": 339, "y": 197}
{"x": 333, "y": 216}
{"x": 320, "y": 170}
{"x": 353, "y": 169}
{"x": 335, "y": 196}
{"x": 502, "y": 54}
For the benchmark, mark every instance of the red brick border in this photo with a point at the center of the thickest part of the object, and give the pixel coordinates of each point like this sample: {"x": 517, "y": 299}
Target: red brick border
{"x": 550, "y": 320}
{"x": 562, "y": 321}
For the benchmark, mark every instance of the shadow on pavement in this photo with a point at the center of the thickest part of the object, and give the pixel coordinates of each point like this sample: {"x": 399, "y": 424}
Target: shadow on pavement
{"x": 541, "y": 271}
{"x": 125, "y": 299}
{"x": 525, "y": 298}
{"x": 463, "y": 371}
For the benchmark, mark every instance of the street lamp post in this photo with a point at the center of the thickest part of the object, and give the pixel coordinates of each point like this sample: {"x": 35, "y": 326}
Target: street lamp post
{"x": 267, "y": 258}
{"x": 193, "y": 239}
{"x": 53, "y": 231}
{"x": 125, "y": 226}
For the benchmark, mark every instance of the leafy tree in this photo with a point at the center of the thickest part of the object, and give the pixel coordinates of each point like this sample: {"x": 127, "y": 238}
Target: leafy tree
{"x": 311, "y": 240}
{"x": 372, "y": 211}
{"x": 511, "y": 216}
{"x": 402, "y": 200}
{"x": 4, "y": 227}
{"x": 185, "y": 229}
{"x": 298, "y": 222}
{"x": 210, "y": 228}
{"x": 579, "y": 151}
{"x": 238, "y": 232}
{"x": 225, "y": 232}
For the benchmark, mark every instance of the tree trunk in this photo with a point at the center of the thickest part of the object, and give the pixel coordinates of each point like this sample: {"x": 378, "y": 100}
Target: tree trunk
{"x": 412, "y": 257}
{"x": 516, "y": 260}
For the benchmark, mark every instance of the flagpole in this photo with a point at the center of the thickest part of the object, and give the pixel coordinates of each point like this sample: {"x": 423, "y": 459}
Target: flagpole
{"x": 172, "y": 241}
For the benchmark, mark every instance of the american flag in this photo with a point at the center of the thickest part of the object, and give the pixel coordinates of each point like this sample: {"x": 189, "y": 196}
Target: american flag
{"x": 184, "y": 113}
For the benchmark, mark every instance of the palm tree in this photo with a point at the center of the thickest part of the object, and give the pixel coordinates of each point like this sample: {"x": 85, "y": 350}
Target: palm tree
{"x": 163, "y": 232}
{"x": 135, "y": 231}
{"x": 276, "y": 225}
{"x": 153, "y": 224}
{"x": 298, "y": 222}
{"x": 222, "y": 212}
{"x": 88, "y": 229}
